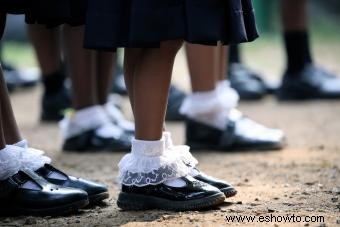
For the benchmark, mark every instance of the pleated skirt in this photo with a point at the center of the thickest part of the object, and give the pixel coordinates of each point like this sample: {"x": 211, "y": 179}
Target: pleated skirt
{"x": 110, "y": 24}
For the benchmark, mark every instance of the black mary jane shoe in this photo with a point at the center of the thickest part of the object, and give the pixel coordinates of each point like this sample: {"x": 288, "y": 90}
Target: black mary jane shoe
{"x": 195, "y": 195}
{"x": 96, "y": 192}
{"x": 200, "y": 136}
{"x": 26, "y": 193}
{"x": 223, "y": 186}
{"x": 90, "y": 141}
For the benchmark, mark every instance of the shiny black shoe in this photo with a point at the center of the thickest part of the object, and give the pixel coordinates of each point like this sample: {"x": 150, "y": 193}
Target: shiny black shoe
{"x": 310, "y": 83}
{"x": 53, "y": 105}
{"x": 195, "y": 195}
{"x": 248, "y": 84}
{"x": 236, "y": 136}
{"x": 176, "y": 98}
{"x": 96, "y": 192}
{"x": 26, "y": 193}
{"x": 90, "y": 141}
{"x": 223, "y": 186}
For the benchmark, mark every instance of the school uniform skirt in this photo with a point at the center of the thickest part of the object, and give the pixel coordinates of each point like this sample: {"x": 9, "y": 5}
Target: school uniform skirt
{"x": 110, "y": 24}
{"x": 145, "y": 23}
{"x": 53, "y": 13}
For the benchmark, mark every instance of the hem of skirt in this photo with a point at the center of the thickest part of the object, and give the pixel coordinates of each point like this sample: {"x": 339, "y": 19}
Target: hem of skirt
{"x": 157, "y": 45}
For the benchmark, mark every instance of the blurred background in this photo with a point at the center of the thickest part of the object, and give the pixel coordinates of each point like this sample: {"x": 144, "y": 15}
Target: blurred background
{"x": 324, "y": 27}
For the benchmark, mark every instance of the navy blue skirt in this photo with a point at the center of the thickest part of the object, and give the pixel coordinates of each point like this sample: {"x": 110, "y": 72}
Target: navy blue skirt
{"x": 110, "y": 24}
{"x": 145, "y": 23}
{"x": 53, "y": 13}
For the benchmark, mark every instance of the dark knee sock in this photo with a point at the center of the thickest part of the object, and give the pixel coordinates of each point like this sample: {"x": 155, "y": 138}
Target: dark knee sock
{"x": 53, "y": 82}
{"x": 297, "y": 50}
{"x": 234, "y": 54}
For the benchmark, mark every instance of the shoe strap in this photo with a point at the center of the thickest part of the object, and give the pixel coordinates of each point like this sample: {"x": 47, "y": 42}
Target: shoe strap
{"x": 14, "y": 182}
{"x": 32, "y": 176}
{"x": 53, "y": 169}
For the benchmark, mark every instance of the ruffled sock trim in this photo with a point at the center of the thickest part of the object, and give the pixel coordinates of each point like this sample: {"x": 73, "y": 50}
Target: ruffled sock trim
{"x": 31, "y": 158}
{"x": 182, "y": 150}
{"x": 150, "y": 163}
{"x": 9, "y": 161}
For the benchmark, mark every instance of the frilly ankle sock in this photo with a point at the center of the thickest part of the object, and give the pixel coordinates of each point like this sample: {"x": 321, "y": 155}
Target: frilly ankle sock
{"x": 151, "y": 163}
{"x": 183, "y": 151}
{"x": 9, "y": 161}
{"x": 29, "y": 157}
{"x": 211, "y": 107}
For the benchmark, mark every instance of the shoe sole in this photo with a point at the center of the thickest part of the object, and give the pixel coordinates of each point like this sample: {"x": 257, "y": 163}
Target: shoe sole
{"x": 97, "y": 198}
{"x": 53, "y": 211}
{"x": 229, "y": 192}
{"x": 130, "y": 201}
{"x": 298, "y": 96}
{"x": 263, "y": 147}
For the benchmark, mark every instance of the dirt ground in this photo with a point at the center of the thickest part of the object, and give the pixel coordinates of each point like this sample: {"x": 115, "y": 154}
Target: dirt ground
{"x": 301, "y": 180}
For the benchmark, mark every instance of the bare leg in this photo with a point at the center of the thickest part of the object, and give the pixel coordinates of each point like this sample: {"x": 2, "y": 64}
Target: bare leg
{"x": 296, "y": 38}
{"x": 202, "y": 62}
{"x": 47, "y": 47}
{"x": 82, "y": 68}
{"x": 131, "y": 60}
{"x": 223, "y": 58}
{"x": 9, "y": 128}
{"x": 105, "y": 68}
{"x": 151, "y": 82}
{"x": 294, "y": 15}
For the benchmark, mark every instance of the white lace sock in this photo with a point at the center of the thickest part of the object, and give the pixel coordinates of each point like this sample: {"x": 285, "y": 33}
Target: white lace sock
{"x": 212, "y": 107}
{"x": 117, "y": 117}
{"x": 182, "y": 150}
{"x": 89, "y": 119}
{"x": 9, "y": 161}
{"x": 31, "y": 158}
{"x": 149, "y": 163}
{"x": 22, "y": 144}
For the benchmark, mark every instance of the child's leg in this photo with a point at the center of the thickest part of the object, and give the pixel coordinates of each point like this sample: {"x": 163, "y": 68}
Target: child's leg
{"x": 222, "y": 66}
{"x": 82, "y": 70}
{"x": 104, "y": 71}
{"x": 9, "y": 126}
{"x": 46, "y": 44}
{"x": 213, "y": 112}
{"x": 150, "y": 89}
{"x": 147, "y": 76}
{"x": 152, "y": 166}
{"x": 90, "y": 121}
{"x": 105, "y": 64}
{"x": 56, "y": 98}
{"x": 294, "y": 15}
{"x": 203, "y": 66}
{"x": 132, "y": 57}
